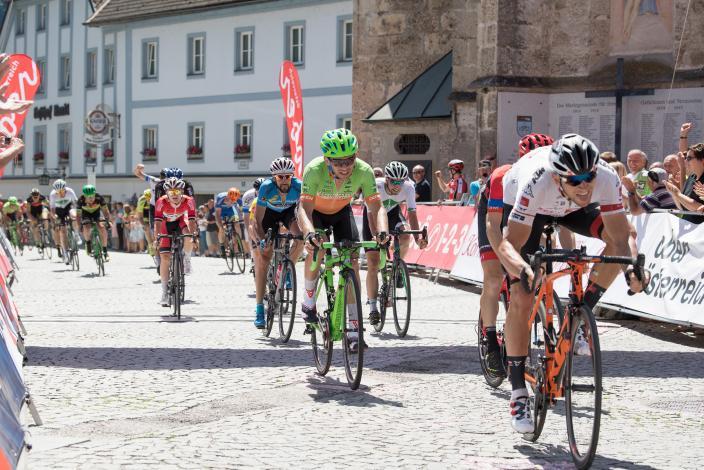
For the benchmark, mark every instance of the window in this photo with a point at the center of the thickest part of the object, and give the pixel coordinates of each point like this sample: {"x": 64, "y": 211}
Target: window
{"x": 66, "y": 7}
{"x": 196, "y": 58}
{"x": 109, "y": 65}
{"x": 41, "y": 17}
{"x": 91, "y": 69}
{"x": 150, "y": 142}
{"x": 39, "y": 146}
{"x": 150, "y": 53}
{"x": 109, "y": 149}
{"x": 64, "y": 143}
{"x": 21, "y": 20}
{"x": 295, "y": 43}
{"x": 65, "y": 73}
{"x": 243, "y": 139}
{"x": 41, "y": 65}
{"x": 344, "y": 40}
{"x": 244, "y": 48}
{"x": 412, "y": 144}
{"x": 195, "y": 140}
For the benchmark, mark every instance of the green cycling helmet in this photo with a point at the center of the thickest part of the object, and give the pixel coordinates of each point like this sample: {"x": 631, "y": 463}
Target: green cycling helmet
{"x": 89, "y": 190}
{"x": 12, "y": 200}
{"x": 339, "y": 143}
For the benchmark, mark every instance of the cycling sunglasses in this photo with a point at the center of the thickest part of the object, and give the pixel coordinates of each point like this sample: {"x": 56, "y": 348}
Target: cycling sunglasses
{"x": 283, "y": 177}
{"x": 394, "y": 182}
{"x": 576, "y": 180}
{"x": 174, "y": 192}
{"x": 344, "y": 163}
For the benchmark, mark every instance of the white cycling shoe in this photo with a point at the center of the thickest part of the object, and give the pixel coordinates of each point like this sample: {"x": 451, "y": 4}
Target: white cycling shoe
{"x": 521, "y": 420}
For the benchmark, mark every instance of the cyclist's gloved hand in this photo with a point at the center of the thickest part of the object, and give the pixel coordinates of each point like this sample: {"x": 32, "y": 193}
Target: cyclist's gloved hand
{"x": 422, "y": 242}
{"x": 528, "y": 280}
{"x": 382, "y": 238}
{"x": 637, "y": 280}
{"x": 313, "y": 241}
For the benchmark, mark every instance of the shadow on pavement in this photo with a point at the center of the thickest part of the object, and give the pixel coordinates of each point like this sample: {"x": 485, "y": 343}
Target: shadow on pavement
{"x": 329, "y": 390}
{"x": 552, "y": 456}
{"x": 666, "y": 332}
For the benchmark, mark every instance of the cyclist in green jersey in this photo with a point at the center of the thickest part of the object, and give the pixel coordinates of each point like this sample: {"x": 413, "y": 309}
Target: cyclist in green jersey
{"x": 329, "y": 184}
{"x": 88, "y": 209}
{"x": 143, "y": 208}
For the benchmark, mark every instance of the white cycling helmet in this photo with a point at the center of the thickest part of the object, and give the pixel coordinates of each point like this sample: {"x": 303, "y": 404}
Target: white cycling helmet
{"x": 174, "y": 183}
{"x": 59, "y": 184}
{"x": 396, "y": 171}
{"x": 281, "y": 166}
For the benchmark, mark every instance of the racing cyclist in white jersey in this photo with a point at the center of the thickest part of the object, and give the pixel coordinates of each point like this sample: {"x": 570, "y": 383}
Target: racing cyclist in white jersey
{"x": 395, "y": 189}
{"x": 565, "y": 183}
{"x": 62, "y": 200}
{"x": 247, "y": 198}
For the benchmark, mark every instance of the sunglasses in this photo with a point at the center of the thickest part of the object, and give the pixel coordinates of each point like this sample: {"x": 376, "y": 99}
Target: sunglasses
{"x": 395, "y": 182}
{"x": 418, "y": 172}
{"x": 485, "y": 175}
{"x": 174, "y": 192}
{"x": 689, "y": 159}
{"x": 576, "y": 180}
{"x": 343, "y": 163}
{"x": 283, "y": 177}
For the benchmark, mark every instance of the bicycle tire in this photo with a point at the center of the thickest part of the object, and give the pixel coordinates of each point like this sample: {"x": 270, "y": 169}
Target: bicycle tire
{"x": 270, "y": 309}
{"x": 175, "y": 285}
{"x": 384, "y": 300}
{"x": 287, "y": 300}
{"x": 354, "y": 362}
{"x": 536, "y": 367}
{"x": 98, "y": 253}
{"x": 583, "y": 457}
{"x": 322, "y": 348}
{"x": 182, "y": 282}
{"x": 48, "y": 248}
{"x": 494, "y": 381}
{"x": 402, "y": 320}
{"x": 240, "y": 254}
{"x": 230, "y": 253}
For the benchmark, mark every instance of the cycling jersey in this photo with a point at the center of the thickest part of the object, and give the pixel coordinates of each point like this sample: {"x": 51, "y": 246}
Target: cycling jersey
{"x": 319, "y": 186}
{"x": 10, "y": 208}
{"x": 90, "y": 207}
{"x": 494, "y": 191}
{"x": 531, "y": 190}
{"x": 165, "y": 211}
{"x": 458, "y": 187}
{"x": 38, "y": 203}
{"x": 56, "y": 201}
{"x": 253, "y": 210}
{"x": 271, "y": 198}
{"x": 247, "y": 198}
{"x": 152, "y": 185}
{"x": 390, "y": 201}
{"x": 227, "y": 209}
{"x": 143, "y": 207}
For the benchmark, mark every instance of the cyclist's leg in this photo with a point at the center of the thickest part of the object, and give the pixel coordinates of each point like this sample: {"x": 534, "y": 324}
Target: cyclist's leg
{"x": 187, "y": 246}
{"x": 85, "y": 230}
{"x": 270, "y": 221}
{"x": 492, "y": 277}
{"x": 34, "y": 226}
{"x": 372, "y": 271}
{"x": 290, "y": 222}
{"x": 308, "y": 309}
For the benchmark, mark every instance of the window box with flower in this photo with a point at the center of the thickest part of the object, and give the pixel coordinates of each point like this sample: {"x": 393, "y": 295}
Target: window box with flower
{"x": 88, "y": 156}
{"x": 243, "y": 151}
{"x": 38, "y": 157}
{"x": 108, "y": 155}
{"x": 194, "y": 152}
{"x": 149, "y": 153}
{"x": 63, "y": 157}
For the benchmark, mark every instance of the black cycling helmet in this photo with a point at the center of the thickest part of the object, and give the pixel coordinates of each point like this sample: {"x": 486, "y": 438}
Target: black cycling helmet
{"x": 573, "y": 155}
{"x": 257, "y": 183}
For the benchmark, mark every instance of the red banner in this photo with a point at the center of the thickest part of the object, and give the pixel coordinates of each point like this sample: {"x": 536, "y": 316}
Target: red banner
{"x": 448, "y": 227}
{"x": 22, "y": 80}
{"x": 290, "y": 86}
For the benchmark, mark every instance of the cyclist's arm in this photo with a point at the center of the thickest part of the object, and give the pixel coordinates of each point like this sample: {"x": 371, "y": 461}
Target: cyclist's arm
{"x": 106, "y": 212}
{"x": 218, "y": 218}
{"x": 509, "y": 250}
{"x": 377, "y": 211}
{"x": 305, "y": 215}
{"x": 258, "y": 219}
{"x": 617, "y": 235}
{"x": 444, "y": 187}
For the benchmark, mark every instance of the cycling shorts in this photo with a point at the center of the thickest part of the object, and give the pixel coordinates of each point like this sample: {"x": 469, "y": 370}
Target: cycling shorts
{"x": 272, "y": 218}
{"x": 486, "y": 252}
{"x": 395, "y": 217}
{"x": 37, "y": 212}
{"x": 168, "y": 228}
{"x": 63, "y": 214}
{"x": 342, "y": 223}
{"x": 91, "y": 216}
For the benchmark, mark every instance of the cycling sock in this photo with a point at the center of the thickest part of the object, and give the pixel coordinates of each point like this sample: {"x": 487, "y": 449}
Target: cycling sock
{"x": 89, "y": 244}
{"x": 105, "y": 249}
{"x": 373, "y": 305}
{"x": 592, "y": 294}
{"x": 352, "y": 317}
{"x": 309, "y": 298}
{"x": 492, "y": 342}
{"x": 516, "y": 371}
{"x": 164, "y": 286}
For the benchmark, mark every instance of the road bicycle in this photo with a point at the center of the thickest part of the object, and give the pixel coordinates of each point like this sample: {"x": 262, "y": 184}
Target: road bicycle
{"x": 554, "y": 368}
{"x": 280, "y": 294}
{"x": 234, "y": 247}
{"x": 341, "y": 319}
{"x": 97, "y": 245}
{"x": 395, "y": 290}
{"x": 15, "y": 237}
{"x": 73, "y": 248}
{"x": 45, "y": 244}
{"x": 176, "y": 286}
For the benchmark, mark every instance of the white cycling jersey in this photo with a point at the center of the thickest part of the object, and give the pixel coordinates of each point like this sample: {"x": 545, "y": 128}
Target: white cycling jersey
{"x": 531, "y": 190}
{"x": 247, "y": 199}
{"x": 407, "y": 195}
{"x": 62, "y": 202}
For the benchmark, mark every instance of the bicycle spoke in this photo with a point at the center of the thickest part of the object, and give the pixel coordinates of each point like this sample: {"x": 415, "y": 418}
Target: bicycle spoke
{"x": 287, "y": 301}
{"x": 353, "y": 339}
{"x": 401, "y": 289}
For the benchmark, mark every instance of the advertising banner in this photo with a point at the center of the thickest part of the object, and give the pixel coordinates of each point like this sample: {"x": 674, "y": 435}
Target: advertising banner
{"x": 290, "y": 86}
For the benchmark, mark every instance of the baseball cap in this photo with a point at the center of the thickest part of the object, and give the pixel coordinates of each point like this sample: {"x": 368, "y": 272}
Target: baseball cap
{"x": 658, "y": 175}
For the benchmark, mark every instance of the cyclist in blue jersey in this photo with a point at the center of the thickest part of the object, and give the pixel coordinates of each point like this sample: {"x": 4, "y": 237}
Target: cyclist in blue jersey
{"x": 276, "y": 202}
{"x": 227, "y": 206}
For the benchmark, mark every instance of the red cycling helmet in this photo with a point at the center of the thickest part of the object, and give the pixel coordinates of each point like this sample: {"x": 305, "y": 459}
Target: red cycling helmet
{"x": 457, "y": 165}
{"x": 533, "y": 141}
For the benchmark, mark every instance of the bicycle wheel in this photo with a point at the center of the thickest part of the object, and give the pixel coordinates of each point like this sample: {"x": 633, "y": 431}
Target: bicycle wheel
{"x": 354, "y": 330}
{"x": 270, "y": 308}
{"x": 320, "y": 337}
{"x": 583, "y": 389}
{"x": 98, "y": 253}
{"x": 240, "y": 254}
{"x": 182, "y": 282}
{"x": 535, "y": 366}
{"x": 401, "y": 288}
{"x": 385, "y": 299}
{"x": 230, "y": 253}
{"x": 48, "y": 245}
{"x": 287, "y": 300}
{"x": 483, "y": 348}
{"x": 176, "y": 269}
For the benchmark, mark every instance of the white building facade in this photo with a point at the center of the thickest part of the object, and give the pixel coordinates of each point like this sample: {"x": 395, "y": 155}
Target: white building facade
{"x": 195, "y": 90}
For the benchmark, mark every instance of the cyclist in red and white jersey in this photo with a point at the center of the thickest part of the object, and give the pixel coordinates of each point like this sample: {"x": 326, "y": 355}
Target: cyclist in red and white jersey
{"x": 568, "y": 184}
{"x": 457, "y": 186}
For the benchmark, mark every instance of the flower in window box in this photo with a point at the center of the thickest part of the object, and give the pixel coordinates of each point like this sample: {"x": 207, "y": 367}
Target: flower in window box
{"x": 63, "y": 155}
{"x": 39, "y": 157}
{"x": 87, "y": 155}
{"x": 108, "y": 153}
{"x": 194, "y": 151}
{"x": 149, "y": 152}
{"x": 242, "y": 149}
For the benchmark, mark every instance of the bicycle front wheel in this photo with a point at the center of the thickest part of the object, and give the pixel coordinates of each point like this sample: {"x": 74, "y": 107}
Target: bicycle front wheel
{"x": 321, "y": 338}
{"x": 353, "y": 339}
{"x": 583, "y": 388}
{"x": 401, "y": 288}
{"x": 230, "y": 253}
{"x": 240, "y": 254}
{"x": 287, "y": 300}
{"x": 270, "y": 307}
{"x": 176, "y": 270}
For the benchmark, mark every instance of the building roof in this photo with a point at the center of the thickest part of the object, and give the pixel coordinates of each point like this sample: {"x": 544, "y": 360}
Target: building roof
{"x": 122, "y": 11}
{"x": 425, "y": 97}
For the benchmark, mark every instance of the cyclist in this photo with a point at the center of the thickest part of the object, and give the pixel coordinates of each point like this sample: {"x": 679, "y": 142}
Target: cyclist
{"x": 276, "y": 202}
{"x": 457, "y": 186}
{"x": 227, "y": 208}
{"x": 248, "y": 197}
{"x": 329, "y": 184}
{"x": 175, "y": 212}
{"x": 12, "y": 211}
{"x": 395, "y": 189}
{"x": 61, "y": 200}
{"x": 143, "y": 207}
{"x": 489, "y": 228}
{"x": 38, "y": 209}
{"x": 566, "y": 183}
{"x": 88, "y": 209}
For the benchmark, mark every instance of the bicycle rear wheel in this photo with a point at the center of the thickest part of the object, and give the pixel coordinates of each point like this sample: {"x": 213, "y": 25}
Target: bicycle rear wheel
{"x": 176, "y": 269}
{"x": 240, "y": 254}
{"x": 354, "y": 330}
{"x": 230, "y": 253}
{"x": 401, "y": 288}
{"x": 385, "y": 299}
{"x": 583, "y": 389}
{"x": 287, "y": 300}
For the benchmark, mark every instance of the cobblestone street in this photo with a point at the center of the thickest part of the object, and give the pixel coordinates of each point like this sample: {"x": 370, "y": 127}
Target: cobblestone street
{"x": 119, "y": 384}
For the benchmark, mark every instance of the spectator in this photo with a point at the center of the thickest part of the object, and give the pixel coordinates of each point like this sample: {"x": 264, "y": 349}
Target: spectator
{"x": 637, "y": 162}
{"x": 608, "y": 157}
{"x": 423, "y": 191}
{"x": 687, "y": 198}
{"x": 659, "y": 197}
{"x": 125, "y": 225}
{"x": 202, "y": 221}
{"x": 483, "y": 172}
{"x": 212, "y": 229}
{"x": 656, "y": 165}
{"x": 119, "y": 214}
{"x": 672, "y": 165}
{"x": 620, "y": 169}
{"x": 378, "y": 172}
{"x": 457, "y": 186}
{"x": 136, "y": 239}
{"x": 491, "y": 159}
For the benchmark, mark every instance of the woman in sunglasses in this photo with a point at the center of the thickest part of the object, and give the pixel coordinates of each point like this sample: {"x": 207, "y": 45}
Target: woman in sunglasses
{"x": 568, "y": 184}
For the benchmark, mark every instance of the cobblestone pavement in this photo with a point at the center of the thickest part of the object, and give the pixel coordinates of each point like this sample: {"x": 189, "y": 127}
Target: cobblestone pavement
{"x": 120, "y": 385}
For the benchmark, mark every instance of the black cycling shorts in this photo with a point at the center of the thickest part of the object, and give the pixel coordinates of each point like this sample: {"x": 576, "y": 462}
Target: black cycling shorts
{"x": 152, "y": 211}
{"x": 272, "y": 218}
{"x": 63, "y": 214}
{"x": 36, "y": 211}
{"x": 395, "y": 217}
{"x": 90, "y": 216}
{"x": 486, "y": 252}
{"x": 342, "y": 223}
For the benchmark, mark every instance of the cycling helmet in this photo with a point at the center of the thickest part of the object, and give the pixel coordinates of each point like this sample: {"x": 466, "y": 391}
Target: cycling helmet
{"x": 573, "y": 155}
{"x": 174, "y": 183}
{"x": 162, "y": 173}
{"x": 34, "y": 192}
{"x": 12, "y": 200}
{"x": 59, "y": 184}
{"x": 178, "y": 173}
{"x": 147, "y": 193}
{"x": 396, "y": 171}
{"x": 257, "y": 183}
{"x": 338, "y": 143}
{"x": 457, "y": 165}
{"x": 234, "y": 194}
{"x": 89, "y": 190}
{"x": 281, "y": 166}
{"x": 533, "y": 141}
